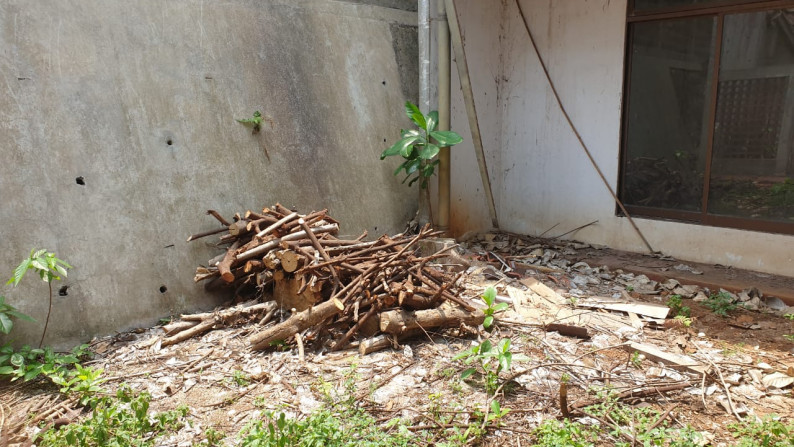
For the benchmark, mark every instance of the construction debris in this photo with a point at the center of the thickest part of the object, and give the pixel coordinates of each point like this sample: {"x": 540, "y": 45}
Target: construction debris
{"x": 332, "y": 289}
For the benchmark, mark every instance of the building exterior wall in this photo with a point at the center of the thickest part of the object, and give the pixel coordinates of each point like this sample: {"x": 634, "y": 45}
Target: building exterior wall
{"x": 541, "y": 175}
{"x": 140, "y": 99}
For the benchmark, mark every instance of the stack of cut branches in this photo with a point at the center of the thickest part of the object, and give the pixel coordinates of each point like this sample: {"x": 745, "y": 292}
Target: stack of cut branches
{"x": 336, "y": 291}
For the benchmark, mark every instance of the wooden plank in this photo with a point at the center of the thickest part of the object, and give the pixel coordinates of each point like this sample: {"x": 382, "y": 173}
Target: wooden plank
{"x": 675, "y": 361}
{"x": 658, "y": 311}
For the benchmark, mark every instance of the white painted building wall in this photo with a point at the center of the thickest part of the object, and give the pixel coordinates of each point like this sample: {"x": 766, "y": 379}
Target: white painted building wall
{"x": 540, "y": 174}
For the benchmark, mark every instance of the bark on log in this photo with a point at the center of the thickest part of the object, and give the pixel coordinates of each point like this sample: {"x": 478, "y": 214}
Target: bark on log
{"x": 287, "y": 292}
{"x": 298, "y": 322}
{"x": 239, "y": 228}
{"x": 225, "y": 266}
{"x": 398, "y": 321}
{"x": 198, "y": 329}
{"x": 178, "y": 326}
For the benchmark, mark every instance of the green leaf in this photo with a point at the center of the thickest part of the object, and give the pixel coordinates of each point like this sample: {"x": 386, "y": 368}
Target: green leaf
{"x": 495, "y": 407}
{"x": 429, "y": 151}
{"x": 467, "y": 373}
{"x": 39, "y": 264}
{"x": 5, "y": 323}
{"x": 432, "y": 120}
{"x": 504, "y": 345}
{"x": 412, "y": 166}
{"x": 19, "y": 315}
{"x": 400, "y": 146}
{"x": 19, "y": 272}
{"x": 6, "y": 370}
{"x": 37, "y": 254}
{"x": 61, "y": 270}
{"x": 446, "y": 137}
{"x": 500, "y": 307}
{"x": 485, "y": 346}
{"x": 504, "y": 361}
{"x": 63, "y": 263}
{"x": 428, "y": 170}
{"x": 413, "y": 180}
{"x": 17, "y": 359}
{"x": 489, "y": 296}
{"x": 487, "y": 322}
{"x": 415, "y": 115}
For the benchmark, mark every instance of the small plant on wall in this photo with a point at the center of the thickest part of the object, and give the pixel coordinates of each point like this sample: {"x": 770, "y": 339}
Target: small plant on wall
{"x": 419, "y": 147}
{"x": 48, "y": 267}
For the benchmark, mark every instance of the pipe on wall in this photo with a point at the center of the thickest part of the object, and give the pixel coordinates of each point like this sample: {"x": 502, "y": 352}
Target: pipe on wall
{"x": 443, "y": 116}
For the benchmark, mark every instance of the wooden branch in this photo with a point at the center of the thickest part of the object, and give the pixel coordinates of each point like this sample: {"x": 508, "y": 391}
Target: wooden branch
{"x": 193, "y": 237}
{"x": 220, "y": 218}
{"x": 225, "y": 266}
{"x": 398, "y": 321}
{"x": 298, "y": 322}
{"x": 276, "y": 225}
{"x": 264, "y": 248}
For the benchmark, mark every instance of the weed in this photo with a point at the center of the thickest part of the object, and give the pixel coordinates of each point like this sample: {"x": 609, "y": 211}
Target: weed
{"x": 7, "y": 312}
{"x": 28, "y": 363}
{"x": 485, "y": 354}
{"x": 564, "y": 433}
{"x": 789, "y": 316}
{"x": 769, "y": 432}
{"x": 629, "y": 288}
{"x": 48, "y": 267}
{"x": 636, "y": 359}
{"x": 641, "y": 424}
{"x": 241, "y": 378}
{"x": 260, "y": 401}
{"x": 675, "y": 305}
{"x": 489, "y": 297}
{"x": 254, "y": 122}
{"x": 212, "y": 438}
{"x": 416, "y": 146}
{"x": 324, "y": 427}
{"x": 683, "y": 320}
{"x": 789, "y": 337}
{"x": 123, "y": 420}
{"x": 84, "y": 382}
{"x": 720, "y": 303}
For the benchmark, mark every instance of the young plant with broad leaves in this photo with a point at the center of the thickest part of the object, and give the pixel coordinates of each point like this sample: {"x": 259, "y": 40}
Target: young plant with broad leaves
{"x": 420, "y": 147}
{"x": 7, "y": 313}
{"x": 489, "y": 297}
{"x": 48, "y": 267}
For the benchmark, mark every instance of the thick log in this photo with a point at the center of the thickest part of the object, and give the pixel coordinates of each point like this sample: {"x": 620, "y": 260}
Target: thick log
{"x": 271, "y": 260}
{"x": 178, "y": 326}
{"x": 198, "y": 329}
{"x": 385, "y": 341}
{"x": 298, "y": 322}
{"x": 290, "y": 260}
{"x": 287, "y": 292}
{"x": 398, "y": 321}
{"x": 239, "y": 228}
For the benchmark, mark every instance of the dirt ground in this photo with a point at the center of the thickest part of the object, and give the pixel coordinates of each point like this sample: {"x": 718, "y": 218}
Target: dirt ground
{"x": 722, "y": 377}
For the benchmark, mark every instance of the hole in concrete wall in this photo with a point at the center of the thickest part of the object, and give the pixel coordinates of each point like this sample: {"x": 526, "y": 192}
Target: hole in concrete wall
{"x": 384, "y": 140}
{"x": 80, "y": 180}
{"x": 384, "y": 82}
{"x": 169, "y": 142}
{"x": 63, "y": 291}
{"x": 163, "y": 289}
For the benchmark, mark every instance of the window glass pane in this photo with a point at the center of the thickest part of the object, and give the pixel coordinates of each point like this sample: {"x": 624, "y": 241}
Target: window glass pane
{"x": 752, "y": 171}
{"x": 667, "y": 112}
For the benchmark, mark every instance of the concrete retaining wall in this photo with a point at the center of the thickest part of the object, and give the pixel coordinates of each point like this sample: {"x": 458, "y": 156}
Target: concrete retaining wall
{"x": 139, "y": 99}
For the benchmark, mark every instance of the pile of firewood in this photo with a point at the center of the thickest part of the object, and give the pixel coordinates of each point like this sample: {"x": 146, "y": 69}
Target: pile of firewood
{"x": 327, "y": 289}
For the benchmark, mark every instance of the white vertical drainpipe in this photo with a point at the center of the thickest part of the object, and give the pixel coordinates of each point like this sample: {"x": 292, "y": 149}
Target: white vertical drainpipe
{"x": 424, "y": 55}
{"x": 443, "y": 116}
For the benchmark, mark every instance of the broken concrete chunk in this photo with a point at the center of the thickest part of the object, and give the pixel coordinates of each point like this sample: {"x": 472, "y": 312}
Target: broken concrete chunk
{"x": 700, "y": 297}
{"x": 687, "y": 268}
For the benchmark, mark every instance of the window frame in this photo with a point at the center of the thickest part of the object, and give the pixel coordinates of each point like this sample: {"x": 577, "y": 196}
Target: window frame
{"x": 719, "y": 9}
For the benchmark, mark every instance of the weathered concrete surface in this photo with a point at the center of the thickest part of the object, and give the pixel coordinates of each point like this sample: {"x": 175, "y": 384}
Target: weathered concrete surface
{"x": 140, "y": 99}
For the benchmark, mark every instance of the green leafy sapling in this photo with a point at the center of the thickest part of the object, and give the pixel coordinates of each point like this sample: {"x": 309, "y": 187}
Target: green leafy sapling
{"x": 7, "y": 313}
{"x": 254, "y": 122}
{"x": 48, "y": 267}
{"x": 420, "y": 147}
{"x": 489, "y": 297}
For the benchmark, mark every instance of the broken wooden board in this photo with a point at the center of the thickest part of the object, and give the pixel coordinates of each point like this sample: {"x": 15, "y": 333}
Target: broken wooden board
{"x": 543, "y": 290}
{"x": 657, "y": 311}
{"x": 675, "y": 361}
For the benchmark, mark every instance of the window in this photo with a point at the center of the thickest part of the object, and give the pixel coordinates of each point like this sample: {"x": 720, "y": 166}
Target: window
{"x": 708, "y": 120}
